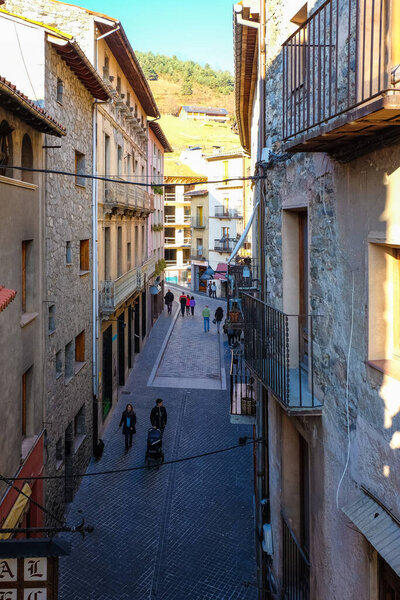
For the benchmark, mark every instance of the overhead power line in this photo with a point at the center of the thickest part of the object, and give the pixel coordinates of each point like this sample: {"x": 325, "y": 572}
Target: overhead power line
{"x": 244, "y": 441}
{"x": 125, "y": 182}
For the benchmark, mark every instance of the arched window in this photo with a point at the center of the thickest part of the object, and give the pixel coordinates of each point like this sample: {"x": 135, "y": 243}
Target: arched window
{"x": 27, "y": 158}
{"x": 6, "y": 148}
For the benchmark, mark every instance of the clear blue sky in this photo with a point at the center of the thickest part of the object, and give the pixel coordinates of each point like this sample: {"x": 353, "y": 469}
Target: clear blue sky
{"x": 199, "y": 31}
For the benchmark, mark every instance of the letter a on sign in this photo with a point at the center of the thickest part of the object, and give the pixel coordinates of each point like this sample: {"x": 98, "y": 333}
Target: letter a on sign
{"x": 8, "y": 569}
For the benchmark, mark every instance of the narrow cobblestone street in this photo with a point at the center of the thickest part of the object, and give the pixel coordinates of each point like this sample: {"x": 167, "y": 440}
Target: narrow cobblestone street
{"x": 185, "y": 531}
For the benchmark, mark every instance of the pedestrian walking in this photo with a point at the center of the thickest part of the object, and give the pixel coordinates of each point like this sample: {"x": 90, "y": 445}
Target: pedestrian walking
{"x": 229, "y": 331}
{"x": 182, "y": 300}
{"x": 169, "y": 298}
{"x": 188, "y": 305}
{"x": 128, "y": 420}
{"x": 192, "y": 304}
{"x": 219, "y": 314}
{"x": 158, "y": 415}
{"x": 213, "y": 290}
{"x": 209, "y": 289}
{"x": 206, "y": 317}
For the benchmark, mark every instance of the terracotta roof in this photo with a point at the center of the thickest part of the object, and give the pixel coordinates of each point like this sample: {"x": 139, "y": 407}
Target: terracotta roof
{"x": 160, "y": 135}
{"x": 72, "y": 54}
{"x": 6, "y": 296}
{"x": 15, "y": 101}
{"x": 208, "y": 110}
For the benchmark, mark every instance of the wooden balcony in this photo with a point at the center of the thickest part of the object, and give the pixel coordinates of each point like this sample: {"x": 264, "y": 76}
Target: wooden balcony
{"x": 113, "y": 292}
{"x": 277, "y": 355}
{"x": 341, "y": 78}
{"x": 121, "y": 194}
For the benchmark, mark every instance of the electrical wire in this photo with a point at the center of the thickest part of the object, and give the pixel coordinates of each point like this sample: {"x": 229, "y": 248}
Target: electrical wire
{"x": 347, "y": 396}
{"x": 126, "y": 182}
{"x": 242, "y": 443}
{"x": 42, "y": 508}
{"x": 23, "y": 60}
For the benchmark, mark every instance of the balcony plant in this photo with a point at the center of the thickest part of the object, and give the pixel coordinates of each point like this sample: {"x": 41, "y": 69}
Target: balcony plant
{"x": 160, "y": 266}
{"x": 158, "y": 227}
{"x": 157, "y": 189}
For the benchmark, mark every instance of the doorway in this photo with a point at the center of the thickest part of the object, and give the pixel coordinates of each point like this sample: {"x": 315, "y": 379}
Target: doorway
{"x": 303, "y": 288}
{"x": 137, "y": 326}
{"x": 107, "y": 372}
{"x": 130, "y": 337}
{"x": 121, "y": 350}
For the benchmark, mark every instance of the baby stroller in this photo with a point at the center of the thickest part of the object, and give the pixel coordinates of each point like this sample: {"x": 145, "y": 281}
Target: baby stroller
{"x": 154, "y": 452}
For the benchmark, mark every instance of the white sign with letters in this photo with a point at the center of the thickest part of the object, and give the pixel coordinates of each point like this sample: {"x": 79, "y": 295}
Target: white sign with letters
{"x": 35, "y": 569}
{"x": 35, "y": 594}
{"x": 8, "y": 594}
{"x": 8, "y": 570}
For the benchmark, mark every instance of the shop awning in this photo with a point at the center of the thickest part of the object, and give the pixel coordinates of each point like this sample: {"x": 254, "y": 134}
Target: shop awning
{"x": 377, "y": 525}
{"x": 17, "y": 512}
{"x": 221, "y": 271}
{"x": 155, "y": 289}
{"x": 244, "y": 234}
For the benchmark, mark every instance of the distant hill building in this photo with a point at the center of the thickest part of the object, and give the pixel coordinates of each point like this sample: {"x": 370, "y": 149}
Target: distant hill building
{"x": 207, "y": 113}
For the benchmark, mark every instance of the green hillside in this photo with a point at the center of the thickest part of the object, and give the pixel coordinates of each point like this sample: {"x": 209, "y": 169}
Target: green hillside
{"x": 175, "y": 83}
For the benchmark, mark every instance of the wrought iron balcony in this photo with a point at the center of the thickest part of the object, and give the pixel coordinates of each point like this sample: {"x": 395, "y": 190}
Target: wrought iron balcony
{"x": 340, "y": 78}
{"x": 296, "y": 567}
{"x": 221, "y": 212}
{"x": 198, "y": 223}
{"x": 113, "y": 292}
{"x": 224, "y": 245}
{"x": 125, "y": 195}
{"x": 242, "y": 390}
{"x": 279, "y": 351}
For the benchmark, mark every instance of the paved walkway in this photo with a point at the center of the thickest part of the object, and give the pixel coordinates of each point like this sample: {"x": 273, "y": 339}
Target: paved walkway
{"x": 185, "y": 531}
{"x": 191, "y": 357}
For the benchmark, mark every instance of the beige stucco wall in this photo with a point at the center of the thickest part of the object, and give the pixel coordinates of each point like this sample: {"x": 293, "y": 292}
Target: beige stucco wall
{"x": 21, "y": 348}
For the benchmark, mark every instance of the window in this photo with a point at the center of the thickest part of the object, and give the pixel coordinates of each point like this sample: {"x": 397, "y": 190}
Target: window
{"x": 26, "y": 403}
{"x": 143, "y": 176}
{"x": 128, "y": 255}
{"x": 84, "y": 256}
{"x": 6, "y": 149}
{"x": 59, "y": 364}
{"x": 384, "y": 308}
{"x": 79, "y": 350}
{"x": 119, "y": 161}
{"x": 107, "y": 274}
{"x": 52, "y": 318}
{"x": 27, "y": 158}
{"x": 60, "y": 90}
{"x": 225, "y": 165}
{"x": 128, "y": 99}
{"x": 118, "y": 84}
{"x": 80, "y": 169}
{"x": 128, "y": 166}
{"x": 68, "y": 253}
{"x": 143, "y": 243}
{"x": 27, "y": 276}
{"x": 69, "y": 361}
{"x": 106, "y": 67}
{"x": 119, "y": 252}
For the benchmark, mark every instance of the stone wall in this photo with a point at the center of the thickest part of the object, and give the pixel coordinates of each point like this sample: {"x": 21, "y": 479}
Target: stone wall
{"x": 348, "y": 205}
{"x": 68, "y": 218}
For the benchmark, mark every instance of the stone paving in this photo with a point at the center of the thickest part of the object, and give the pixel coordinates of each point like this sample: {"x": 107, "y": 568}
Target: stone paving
{"x": 185, "y": 531}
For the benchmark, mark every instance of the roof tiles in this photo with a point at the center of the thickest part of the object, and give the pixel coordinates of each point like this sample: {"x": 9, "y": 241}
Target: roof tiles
{"x": 6, "y": 296}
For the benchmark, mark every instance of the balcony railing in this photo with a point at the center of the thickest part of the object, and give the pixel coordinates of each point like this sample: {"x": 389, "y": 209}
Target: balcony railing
{"x": 170, "y": 197}
{"x": 227, "y": 213}
{"x": 169, "y": 219}
{"x": 170, "y": 241}
{"x": 242, "y": 390}
{"x": 296, "y": 567}
{"x": 129, "y": 196}
{"x": 279, "y": 351}
{"x": 224, "y": 245}
{"x": 198, "y": 223}
{"x": 114, "y": 292}
{"x": 338, "y": 61}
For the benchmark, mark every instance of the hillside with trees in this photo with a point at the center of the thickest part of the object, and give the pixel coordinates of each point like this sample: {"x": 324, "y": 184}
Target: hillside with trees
{"x": 175, "y": 82}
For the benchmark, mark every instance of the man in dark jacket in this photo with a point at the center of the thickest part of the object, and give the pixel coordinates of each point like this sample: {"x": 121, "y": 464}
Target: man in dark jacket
{"x": 158, "y": 415}
{"x": 128, "y": 420}
{"x": 183, "y": 300}
{"x": 169, "y": 298}
{"x": 219, "y": 314}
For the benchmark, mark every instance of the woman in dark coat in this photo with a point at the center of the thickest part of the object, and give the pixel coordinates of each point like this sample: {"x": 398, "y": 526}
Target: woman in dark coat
{"x": 128, "y": 420}
{"x": 219, "y": 313}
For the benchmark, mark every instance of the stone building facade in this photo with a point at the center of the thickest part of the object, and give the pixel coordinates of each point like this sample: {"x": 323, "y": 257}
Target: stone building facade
{"x": 326, "y": 357}
{"x": 124, "y": 270}
{"x": 22, "y": 309}
{"x": 67, "y": 259}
